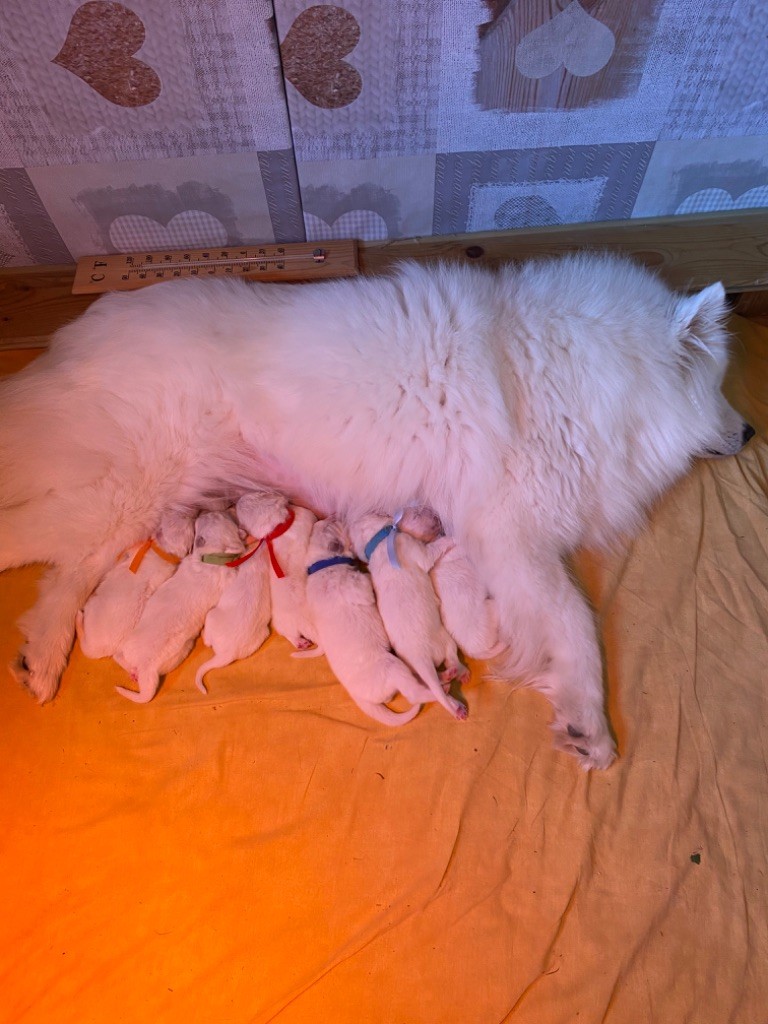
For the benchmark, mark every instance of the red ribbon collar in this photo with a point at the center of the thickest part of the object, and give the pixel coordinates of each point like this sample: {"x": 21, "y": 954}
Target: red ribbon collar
{"x": 277, "y": 532}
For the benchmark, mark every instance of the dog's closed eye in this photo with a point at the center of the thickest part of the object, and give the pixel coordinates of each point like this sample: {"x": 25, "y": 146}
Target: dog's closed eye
{"x": 199, "y": 541}
{"x": 335, "y": 546}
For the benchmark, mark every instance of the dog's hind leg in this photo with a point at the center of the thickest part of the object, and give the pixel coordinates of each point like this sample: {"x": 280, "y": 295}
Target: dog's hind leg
{"x": 49, "y": 626}
{"x": 553, "y": 648}
{"x": 574, "y": 681}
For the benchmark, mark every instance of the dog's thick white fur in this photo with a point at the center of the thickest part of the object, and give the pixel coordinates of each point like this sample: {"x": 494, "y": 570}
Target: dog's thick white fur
{"x": 535, "y": 409}
{"x": 115, "y": 607}
{"x": 408, "y": 607}
{"x": 174, "y": 615}
{"x": 239, "y": 624}
{"x": 349, "y": 627}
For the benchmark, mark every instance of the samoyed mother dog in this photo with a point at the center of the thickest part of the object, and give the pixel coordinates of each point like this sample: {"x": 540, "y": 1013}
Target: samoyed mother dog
{"x": 535, "y": 409}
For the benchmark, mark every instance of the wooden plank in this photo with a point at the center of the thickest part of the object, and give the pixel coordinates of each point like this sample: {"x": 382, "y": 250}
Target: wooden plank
{"x": 753, "y": 305}
{"x": 689, "y": 252}
{"x": 35, "y": 302}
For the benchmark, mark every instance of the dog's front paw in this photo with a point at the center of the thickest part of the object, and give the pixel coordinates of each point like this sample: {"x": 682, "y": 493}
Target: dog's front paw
{"x": 592, "y": 748}
{"x": 38, "y": 680}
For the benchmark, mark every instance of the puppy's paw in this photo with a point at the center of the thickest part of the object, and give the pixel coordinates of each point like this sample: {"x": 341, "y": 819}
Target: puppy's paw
{"x": 592, "y": 748}
{"x": 447, "y": 674}
{"x": 461, "y": 712}
{"x": 38, "y": 680}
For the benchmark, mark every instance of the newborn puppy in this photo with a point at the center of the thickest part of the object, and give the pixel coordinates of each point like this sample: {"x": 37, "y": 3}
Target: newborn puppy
{"x": 288, "y": 552}
{"x": 116, "y": 605}
{"x": 350, "y": 630}
{"x": 468, "y": 612}
{"x": 239, "y": 624}
{"x": 399, "y": 565}
{"x": 174, "y": 615}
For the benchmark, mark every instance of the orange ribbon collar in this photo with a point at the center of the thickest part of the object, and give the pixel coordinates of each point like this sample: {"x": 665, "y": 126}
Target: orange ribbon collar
{"x": 138, "y": 558}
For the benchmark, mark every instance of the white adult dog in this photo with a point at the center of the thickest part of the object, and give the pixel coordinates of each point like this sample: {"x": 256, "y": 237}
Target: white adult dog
{"x": 535, "y": 409}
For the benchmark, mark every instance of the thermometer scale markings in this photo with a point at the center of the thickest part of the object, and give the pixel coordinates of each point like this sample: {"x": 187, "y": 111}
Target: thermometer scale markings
{"x": 296, "y": 261}
{"x": 318, "y": 256}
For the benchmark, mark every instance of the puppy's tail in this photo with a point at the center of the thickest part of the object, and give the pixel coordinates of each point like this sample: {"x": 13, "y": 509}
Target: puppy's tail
{"x": 386, "y": 715}
{"x": 313, "y": 652}
{"x": 427, "y": 673}
{"x": 217, "y": 661}
{"x": 148, "y": 687}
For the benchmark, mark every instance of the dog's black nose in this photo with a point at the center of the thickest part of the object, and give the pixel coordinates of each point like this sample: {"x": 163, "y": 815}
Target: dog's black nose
{"x": 747, "y": 433}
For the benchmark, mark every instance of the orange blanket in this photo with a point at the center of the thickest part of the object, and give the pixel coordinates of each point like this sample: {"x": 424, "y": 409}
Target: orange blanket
{"x": 266, "y": 853}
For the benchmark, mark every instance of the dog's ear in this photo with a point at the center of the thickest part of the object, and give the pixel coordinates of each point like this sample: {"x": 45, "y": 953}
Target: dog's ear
{"x": 242, "y": 534}
{"x": 699, "y": 320}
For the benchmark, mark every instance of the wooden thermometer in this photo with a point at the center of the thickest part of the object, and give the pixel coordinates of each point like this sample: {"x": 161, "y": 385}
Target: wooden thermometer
{"x": 299, "y": 261}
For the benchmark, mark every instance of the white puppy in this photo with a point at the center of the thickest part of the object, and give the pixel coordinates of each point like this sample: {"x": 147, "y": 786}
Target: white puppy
{"x": 175, "y": 613}
{"x": 116, "y": 605}
{"x": 350, "y": 629}
{"x": 399, "y": 565}
{"x": 287, "y": 550}
{"x": 239, "y": 624}
{"x": 467, "y": 610}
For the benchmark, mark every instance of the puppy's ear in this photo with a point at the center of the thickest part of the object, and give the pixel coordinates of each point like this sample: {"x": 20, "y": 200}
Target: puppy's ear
{"x": 699, "y": 320}
{"x": 242, "y": 534}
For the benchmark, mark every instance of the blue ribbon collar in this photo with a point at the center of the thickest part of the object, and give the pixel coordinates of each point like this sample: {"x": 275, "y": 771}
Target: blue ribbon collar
{"x": 390, "y": 533}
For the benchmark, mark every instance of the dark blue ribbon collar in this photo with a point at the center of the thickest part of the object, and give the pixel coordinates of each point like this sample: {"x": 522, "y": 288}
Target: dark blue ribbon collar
{"x": 326, "y": 563}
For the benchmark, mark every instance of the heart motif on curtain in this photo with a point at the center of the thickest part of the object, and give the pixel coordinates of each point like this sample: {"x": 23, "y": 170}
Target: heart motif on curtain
{"x": 99, "y": 49}
{"x": 189, "y": 229}
{"x": 572, "y": 39}
{"x": 708, "y": 199}
{"x": 312, "y": 54}
{"x": 365, "y": 225}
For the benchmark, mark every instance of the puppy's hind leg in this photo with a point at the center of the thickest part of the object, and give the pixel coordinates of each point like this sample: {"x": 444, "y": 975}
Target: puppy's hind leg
{"x": 427, "y": 687}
